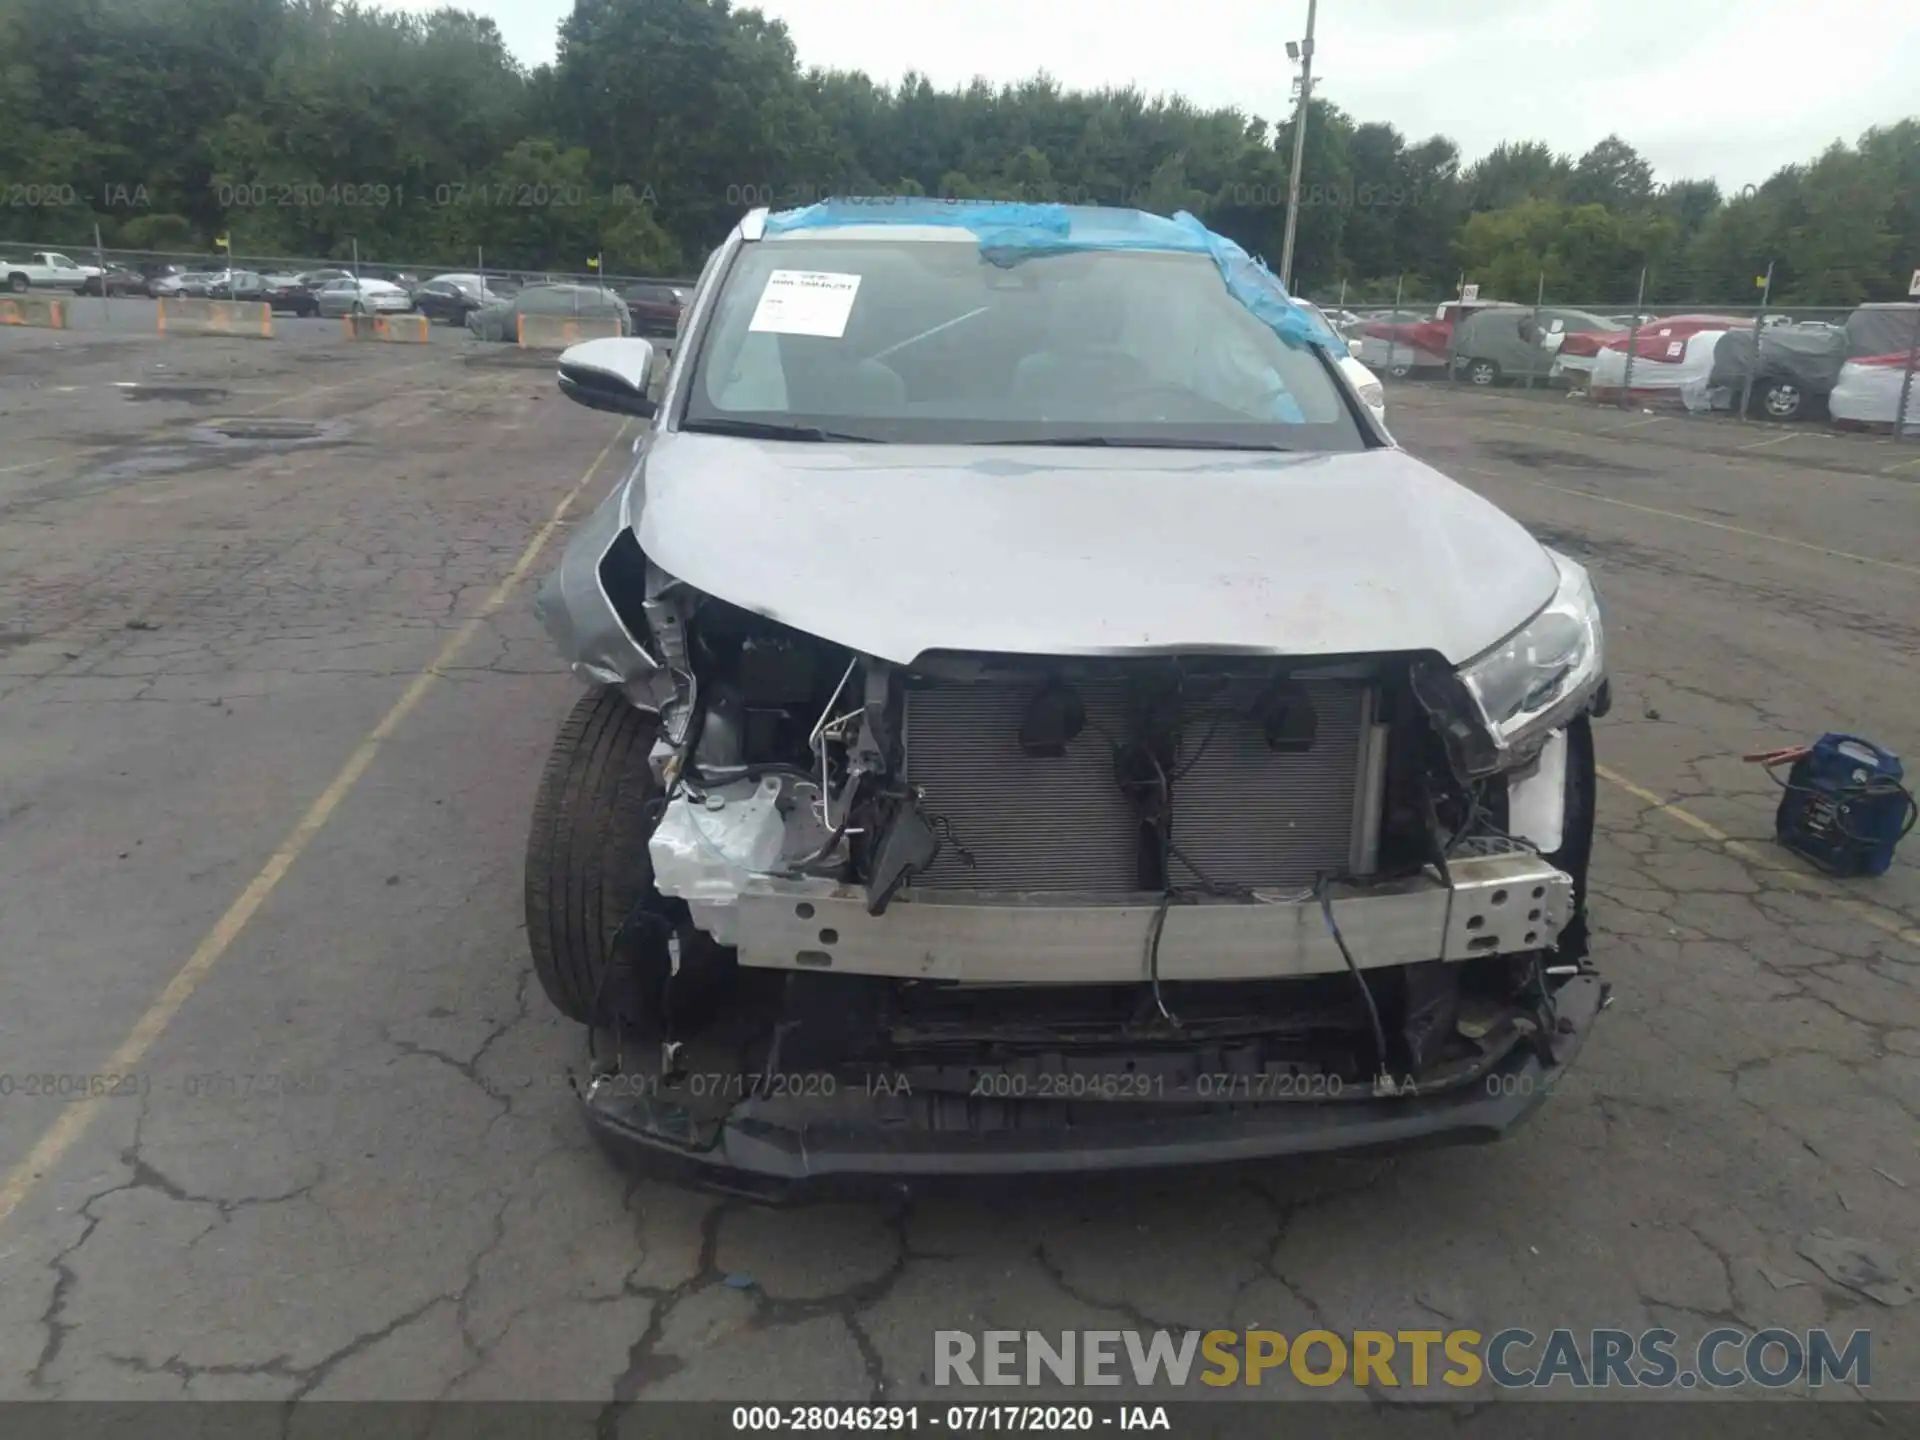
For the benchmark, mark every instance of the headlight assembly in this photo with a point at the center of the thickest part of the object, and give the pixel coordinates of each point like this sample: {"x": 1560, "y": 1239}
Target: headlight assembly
{"x": 1495, "y": 711}
{"x": 1373, "y": 396}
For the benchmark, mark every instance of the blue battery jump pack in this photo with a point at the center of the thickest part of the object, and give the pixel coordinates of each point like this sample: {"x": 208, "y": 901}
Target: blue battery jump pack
{"x": 1845, "y": 808}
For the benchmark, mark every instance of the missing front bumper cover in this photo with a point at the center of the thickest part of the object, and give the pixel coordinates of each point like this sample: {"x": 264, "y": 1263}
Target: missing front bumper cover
{"x": 725, "y": 864}
{"x": 852, "y": 1136}
{"x": 1500, "y": 904}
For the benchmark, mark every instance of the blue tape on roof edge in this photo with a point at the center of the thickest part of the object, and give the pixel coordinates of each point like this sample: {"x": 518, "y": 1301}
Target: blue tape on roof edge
{"x": 1012, "y": 231}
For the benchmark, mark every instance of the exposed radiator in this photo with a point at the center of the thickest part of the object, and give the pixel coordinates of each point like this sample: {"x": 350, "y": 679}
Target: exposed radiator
{"x": 1244, "y": 814}
{"x": 1249, "y": 816}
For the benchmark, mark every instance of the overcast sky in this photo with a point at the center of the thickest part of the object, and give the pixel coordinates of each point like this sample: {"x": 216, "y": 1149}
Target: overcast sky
{"x": 1727, "y": 89}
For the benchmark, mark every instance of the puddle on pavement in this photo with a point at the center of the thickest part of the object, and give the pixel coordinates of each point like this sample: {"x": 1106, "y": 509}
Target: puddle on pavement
{"x": 1536, "y": 457}
{"x": 267, "y": 432}
{"x": 210, "y": 446}
{"x": 267, "y": 429}
{"x": 184, "y": 394}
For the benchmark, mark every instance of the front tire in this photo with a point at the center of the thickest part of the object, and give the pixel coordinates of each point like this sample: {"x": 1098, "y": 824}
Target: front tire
{"x": 1781, "y": 400}
{"x": 1483, "y": 373}
{"x": 588, "y": 870}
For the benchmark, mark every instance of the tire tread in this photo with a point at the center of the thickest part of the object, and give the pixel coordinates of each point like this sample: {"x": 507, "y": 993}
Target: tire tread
{"x": 587, "y": 862}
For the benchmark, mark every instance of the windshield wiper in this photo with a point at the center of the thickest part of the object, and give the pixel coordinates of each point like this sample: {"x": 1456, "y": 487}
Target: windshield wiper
{"x": 768, "y": 430}
{"x": 1146, "y": 443}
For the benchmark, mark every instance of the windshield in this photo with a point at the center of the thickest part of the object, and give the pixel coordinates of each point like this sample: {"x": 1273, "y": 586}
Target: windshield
{"x": 922, "y": 341}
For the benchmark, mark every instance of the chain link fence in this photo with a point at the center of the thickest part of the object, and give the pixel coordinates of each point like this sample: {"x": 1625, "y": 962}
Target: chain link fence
{"x": 504, "y": 281}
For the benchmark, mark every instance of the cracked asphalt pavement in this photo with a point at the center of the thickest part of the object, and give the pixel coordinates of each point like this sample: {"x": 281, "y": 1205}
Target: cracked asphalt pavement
{"x": 348, "y": 1163}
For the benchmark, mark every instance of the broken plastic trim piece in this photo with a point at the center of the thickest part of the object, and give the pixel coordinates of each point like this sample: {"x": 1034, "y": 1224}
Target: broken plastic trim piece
{"x": 1471, "y": 751}
{"x": 908, "y": 845}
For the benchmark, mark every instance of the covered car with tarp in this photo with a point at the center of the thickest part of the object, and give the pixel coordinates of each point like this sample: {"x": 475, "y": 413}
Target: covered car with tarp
{"x": 1658, "y": 365}
{"x": 1797, "y": 368}
{"x": 502, "y": 321}
{"x": 1868, "y": 392}
{"x": 1883, "y": 328}
{"x": 1579, "y": 351}
{"x": 1510, "y": 342}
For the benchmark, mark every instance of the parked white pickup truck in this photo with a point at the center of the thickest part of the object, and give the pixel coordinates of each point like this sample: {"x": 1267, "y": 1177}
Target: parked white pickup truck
{"x": 46, "y": 269}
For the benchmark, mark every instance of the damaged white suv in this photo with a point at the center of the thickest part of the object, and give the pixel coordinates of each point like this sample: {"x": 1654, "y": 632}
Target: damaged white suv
{"x": 1040, "y": 721}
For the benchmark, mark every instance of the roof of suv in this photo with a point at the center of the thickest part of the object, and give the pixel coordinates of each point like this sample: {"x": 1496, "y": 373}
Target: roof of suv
{"x": 916, "y": 217}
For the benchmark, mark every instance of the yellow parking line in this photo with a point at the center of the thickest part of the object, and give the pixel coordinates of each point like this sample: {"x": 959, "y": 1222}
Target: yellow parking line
{"x": 1776, "y": 440}
{"x": 1881, "y": 918}
{"x": 66, "y": 1131}
{"x": 30, "y": 465}
{"x": 1698, "y": 520}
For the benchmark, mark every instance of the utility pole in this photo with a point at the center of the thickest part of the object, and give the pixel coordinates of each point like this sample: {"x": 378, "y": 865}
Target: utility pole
{"x": 1759, "y": 321}
{"x": 1305, "y": 55}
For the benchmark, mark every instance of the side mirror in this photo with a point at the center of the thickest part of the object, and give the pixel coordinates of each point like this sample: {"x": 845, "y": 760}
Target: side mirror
{"x": 610, "y": 374}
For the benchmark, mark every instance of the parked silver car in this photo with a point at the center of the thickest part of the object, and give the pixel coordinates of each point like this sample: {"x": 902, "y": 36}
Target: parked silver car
{"x": 361, "y": 297}
{"x": 1037, "y": 714}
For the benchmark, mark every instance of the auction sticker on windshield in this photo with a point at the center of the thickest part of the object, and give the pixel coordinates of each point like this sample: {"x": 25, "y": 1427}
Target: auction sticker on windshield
{"x": 806, "y": 302}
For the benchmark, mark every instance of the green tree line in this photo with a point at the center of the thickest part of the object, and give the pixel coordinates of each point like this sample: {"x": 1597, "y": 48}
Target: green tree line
{"x": 303, "y": 127}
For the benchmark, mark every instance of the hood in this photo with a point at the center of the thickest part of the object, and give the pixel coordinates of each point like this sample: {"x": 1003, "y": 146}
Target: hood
{"x": 896, "y": 550}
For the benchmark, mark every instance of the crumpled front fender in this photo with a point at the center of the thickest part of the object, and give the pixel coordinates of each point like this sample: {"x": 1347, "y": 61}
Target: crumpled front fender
{"x": 574, "y": 607}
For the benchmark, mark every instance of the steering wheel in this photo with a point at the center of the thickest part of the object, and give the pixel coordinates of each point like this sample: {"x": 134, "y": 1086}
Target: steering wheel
{"x": 1187, "y": 399}
{"x": 1147, "y": 388}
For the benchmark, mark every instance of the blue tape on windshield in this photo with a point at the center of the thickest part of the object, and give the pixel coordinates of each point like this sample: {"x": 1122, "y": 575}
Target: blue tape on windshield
{"x": 1010, "y": 232}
